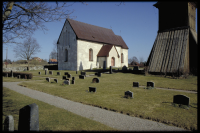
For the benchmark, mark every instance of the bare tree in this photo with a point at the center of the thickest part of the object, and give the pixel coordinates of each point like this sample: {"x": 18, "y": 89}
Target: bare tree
{"x": 53, "y": 54}
{"x": 141, "y": 59}
{"x": 27, "y": 49}
{"x": 20, "y": 19}
{"x": 133, "y": 60}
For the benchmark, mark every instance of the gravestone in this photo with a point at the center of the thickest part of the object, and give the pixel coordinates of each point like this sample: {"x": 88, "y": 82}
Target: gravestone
{"x": 110, "y": 69}
{"x": 95, "y": 80}
{"x": 58, "y": 73}
{"x": 64, "y": 77}
{"x": 73, "y": 81}
{"x": 76, "y": 72}
{"x": 11, "y": 73}
{"x": 150, "y": 84}
{"x": 9, "y": 123}
{"x": 73, "y": 78}
{"x": 39, "y": 73}
{"x": 55, "y": 80}
{"x": 124, "y": 68}
{"x": 104, "y": 64}
{"x": 135, "y": 68}
{"x": 46, "y": 72}
{"x": 69, "y": 75}
{"x": 95, "y": 73}
{"x": 46, "y": 69}
{"x": 99, "y": 75}
{"x": 48, "y": 79}
{"x": 181, "y": 99}
{"x": 67, "y": 82}
{"x": 83, "y": 73}
{"x": 18, "y": 76}
{"x": 6, "y": 74}
{"x": 92, "y": 89}
{"x": 81, "y": 77}
{"x": 129, "y": 93}
{"x": 29, "y": 118}
{"x": 51, "y": 72}
{"x": 135, "y": 84}
{"x": 66, "y": 73}
{"x": 68, "y": 79}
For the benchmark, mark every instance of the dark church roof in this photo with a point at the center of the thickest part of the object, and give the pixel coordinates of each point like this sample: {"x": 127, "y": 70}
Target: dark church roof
{"x": 104, "y": 51}
{"x": 97, "y": 34}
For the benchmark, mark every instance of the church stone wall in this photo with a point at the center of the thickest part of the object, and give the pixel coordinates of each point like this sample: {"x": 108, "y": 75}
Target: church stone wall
{"x": 67, "y": 41}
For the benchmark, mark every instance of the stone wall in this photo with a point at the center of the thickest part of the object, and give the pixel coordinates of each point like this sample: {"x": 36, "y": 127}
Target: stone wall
{"x": 18, "y": 69}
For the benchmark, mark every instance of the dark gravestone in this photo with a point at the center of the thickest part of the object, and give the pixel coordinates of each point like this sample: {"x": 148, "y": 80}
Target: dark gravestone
{"x": 9, "y": 123}
{"x": 129, "y": 93}
{"x": 56, "y": 80}
{"x": 66, "y": 73}
{"x": 95, "y": 73}
{"x": 69, "y": 75}
{"x": 83, "y": 74}
{"x": 95, "y": 80}
{"x": 58, "y": 73}
{"x": 104, "y": 64}
{"x": 18, "y": 76}
{"x": 50, "y": 72}
{"x": 150, "y": 84}
{"x": 135, "y": 68}
{"x": 29, "y": 118}
{"x": 99, "y": 74}
{"x": 46, "y": 72}
{"x": 124, "y": 68}
{"x": 110, "y": 69}
{"x": 48, "y": 79}
{"x": 39, "y": 73}
{"x": 64, "y": 77}
{"x": 11, "y": 73}
{"x": 73, "y": 81}
{"x": 76, "y": 72}
{"x": 181, "y": 99}
{"x": 92, "y": 89}
{"x": 81, "y": 77}
{"x": 73, "y": 78}
{"x": 135, "y": 84}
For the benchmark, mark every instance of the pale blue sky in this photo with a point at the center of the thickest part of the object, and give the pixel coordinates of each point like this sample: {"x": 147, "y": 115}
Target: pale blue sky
{"x": 136, "y": 22}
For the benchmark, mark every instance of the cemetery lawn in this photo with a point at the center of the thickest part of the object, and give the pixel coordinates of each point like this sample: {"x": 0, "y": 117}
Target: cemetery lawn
{"x": 51, "y": 118}
{"x": 154, "y": 104}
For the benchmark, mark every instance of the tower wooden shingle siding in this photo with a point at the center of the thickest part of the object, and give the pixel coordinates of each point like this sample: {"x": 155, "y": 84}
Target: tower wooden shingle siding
{"x": 175, "y": 47}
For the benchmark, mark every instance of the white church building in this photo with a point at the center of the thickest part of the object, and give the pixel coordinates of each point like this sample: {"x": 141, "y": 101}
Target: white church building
{"x": 83, "y": 46}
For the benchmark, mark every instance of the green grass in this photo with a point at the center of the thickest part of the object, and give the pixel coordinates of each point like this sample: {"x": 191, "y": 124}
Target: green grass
{"x": 51, "y": 118}
{"x": 153, "y": 104}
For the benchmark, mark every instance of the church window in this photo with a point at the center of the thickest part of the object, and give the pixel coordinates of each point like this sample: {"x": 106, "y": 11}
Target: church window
{"x": 90, "y": 55}
{"x": 122, "y": 58}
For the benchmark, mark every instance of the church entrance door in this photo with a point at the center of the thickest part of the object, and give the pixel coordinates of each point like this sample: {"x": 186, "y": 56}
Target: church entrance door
{"x": 112, "y": 61}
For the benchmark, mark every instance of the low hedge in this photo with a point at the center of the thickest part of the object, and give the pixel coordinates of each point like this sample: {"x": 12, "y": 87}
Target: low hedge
{"x": 22, "y": 75}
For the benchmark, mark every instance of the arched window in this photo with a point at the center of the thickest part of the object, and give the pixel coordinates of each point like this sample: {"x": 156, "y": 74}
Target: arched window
{"x": 90, "y": 55}
{"x": 66, "y": 55}
{"x": 122, "y": 58}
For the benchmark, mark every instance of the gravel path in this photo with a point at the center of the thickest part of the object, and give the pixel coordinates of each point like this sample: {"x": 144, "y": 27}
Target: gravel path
{"x": 110, "y": 118}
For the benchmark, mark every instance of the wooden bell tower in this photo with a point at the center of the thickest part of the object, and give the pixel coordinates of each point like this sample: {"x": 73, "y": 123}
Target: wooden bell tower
{"x": 175, "y": 47}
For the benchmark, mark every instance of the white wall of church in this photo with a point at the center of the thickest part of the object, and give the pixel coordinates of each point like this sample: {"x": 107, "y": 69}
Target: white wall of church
{"x": 83, "y": 54}
{"x": 67, "y": 41}
{"x": 113, "y": 53}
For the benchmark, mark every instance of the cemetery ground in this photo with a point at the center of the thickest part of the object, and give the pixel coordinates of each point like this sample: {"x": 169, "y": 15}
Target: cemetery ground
{"x": 49, "y": 120}
{"x": 154, "y": 104}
